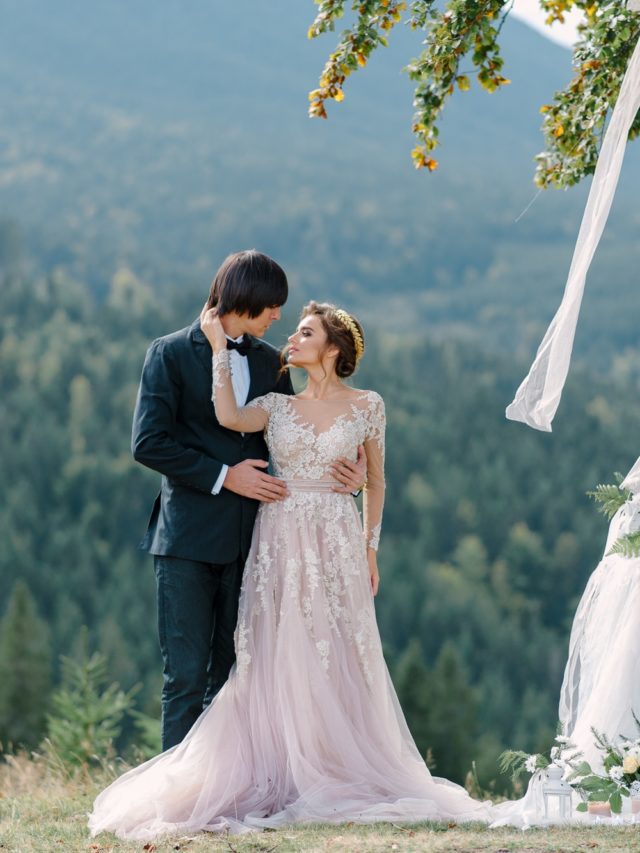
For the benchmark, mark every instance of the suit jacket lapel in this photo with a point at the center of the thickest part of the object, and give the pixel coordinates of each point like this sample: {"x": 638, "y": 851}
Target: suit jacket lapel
{"x": 202, "y": 348}
{"x": 257, "y": 365}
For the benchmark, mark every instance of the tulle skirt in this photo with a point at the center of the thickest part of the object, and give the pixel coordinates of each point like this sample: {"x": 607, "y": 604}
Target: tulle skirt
{"x": 308, "y": 726}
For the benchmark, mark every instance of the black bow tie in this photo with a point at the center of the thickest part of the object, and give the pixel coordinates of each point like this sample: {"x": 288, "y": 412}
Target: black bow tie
{"x": 242, "y": 346}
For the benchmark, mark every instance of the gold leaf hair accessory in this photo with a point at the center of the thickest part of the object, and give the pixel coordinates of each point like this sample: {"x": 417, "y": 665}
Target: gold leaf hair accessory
{"x": 348, "y": 322}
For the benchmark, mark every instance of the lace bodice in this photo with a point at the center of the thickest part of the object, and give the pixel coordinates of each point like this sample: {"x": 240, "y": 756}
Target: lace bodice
{"x": 303, "y": 441}
{"x": 305, "y": 436}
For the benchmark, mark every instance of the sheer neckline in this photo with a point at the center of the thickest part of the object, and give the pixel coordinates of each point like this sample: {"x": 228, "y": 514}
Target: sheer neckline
{"x": 324, "y": 426}
{"x": 357, "y": 395}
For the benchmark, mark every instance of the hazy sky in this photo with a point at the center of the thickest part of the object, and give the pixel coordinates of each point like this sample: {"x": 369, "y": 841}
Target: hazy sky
{"x": 530, "y": 11}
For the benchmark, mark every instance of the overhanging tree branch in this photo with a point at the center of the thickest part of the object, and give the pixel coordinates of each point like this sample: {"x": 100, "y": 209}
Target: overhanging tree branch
{"x": 470, "y": 30}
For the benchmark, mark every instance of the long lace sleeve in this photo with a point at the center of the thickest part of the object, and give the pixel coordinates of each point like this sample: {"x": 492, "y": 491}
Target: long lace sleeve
{"x": 374, "y": 487}
{"x": 241, "y": 419}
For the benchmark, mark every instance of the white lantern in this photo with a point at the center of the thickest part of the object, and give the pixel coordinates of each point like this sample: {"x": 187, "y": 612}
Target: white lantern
{"x": 556, "y": 794}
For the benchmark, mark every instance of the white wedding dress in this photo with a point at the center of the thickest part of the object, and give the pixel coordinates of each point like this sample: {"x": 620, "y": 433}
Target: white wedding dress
{"x": 308, "y": 726}
{"x": 601, "y": 685}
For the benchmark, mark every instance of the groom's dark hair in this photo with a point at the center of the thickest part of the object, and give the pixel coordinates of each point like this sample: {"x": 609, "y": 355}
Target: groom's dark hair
{"x": 247, "y": 283}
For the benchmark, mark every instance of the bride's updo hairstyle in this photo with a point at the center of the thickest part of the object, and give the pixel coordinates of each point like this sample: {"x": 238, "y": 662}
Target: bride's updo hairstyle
{"x": 343, "y": 331}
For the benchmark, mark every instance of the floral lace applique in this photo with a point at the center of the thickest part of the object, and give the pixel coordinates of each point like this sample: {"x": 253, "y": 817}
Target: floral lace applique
{"x": 311, "y": 555}
{"x": 323, "y": 650}
{"x": 221, "y": 364}
{"x": 243, "y": 658}
{"x": 374, "y": 537}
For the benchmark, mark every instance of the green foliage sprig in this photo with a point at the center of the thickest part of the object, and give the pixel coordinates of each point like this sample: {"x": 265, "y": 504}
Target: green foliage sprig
{"x": 574, "y": 122}
{"x": 610, "y": 496}
{"x": 627, "y": 545}
{"x": 355, "y": 46}
{"x": 515, "y": 762}
{"x": 469, "y": 30}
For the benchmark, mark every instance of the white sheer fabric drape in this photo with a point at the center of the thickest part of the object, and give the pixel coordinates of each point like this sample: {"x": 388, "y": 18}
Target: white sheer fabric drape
{"x": 538, "y": 396}
{"x": 601, "y": 684}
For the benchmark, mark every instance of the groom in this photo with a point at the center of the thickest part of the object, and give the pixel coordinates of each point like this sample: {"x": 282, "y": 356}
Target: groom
{"x": 212, "y": 481}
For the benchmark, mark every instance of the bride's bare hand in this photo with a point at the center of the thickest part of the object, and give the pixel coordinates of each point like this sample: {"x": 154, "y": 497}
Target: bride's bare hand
{"x": 372, "y": 560}
{"x": 212, "y": 328}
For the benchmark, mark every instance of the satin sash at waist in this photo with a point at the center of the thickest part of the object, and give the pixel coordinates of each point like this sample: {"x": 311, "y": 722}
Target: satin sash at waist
{"x": 311, "y": 485}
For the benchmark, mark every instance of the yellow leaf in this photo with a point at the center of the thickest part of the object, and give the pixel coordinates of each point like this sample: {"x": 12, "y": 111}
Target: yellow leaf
{"x": 362, "y": 60}
{"x": 431, "y": 164}
{"x": 311, "y": 32}
{"x": 339, "y": 95}
{"x": 545, "y": 108}
{"x": 463, "y": 83}
{"x": 418, "y": 157}
{"x": 559, "y": 130}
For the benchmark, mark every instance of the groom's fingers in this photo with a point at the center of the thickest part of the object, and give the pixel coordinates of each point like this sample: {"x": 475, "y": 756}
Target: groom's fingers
{"x": 246, "y": 478}
{"x": 347, "y": 473}
{"x": 272, "y": 491}
{"x": 342, "y": 469}
{"x": 272, "y": 487}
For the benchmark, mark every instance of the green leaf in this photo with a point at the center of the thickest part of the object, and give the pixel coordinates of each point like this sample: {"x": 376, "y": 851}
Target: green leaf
{"x": 610, "y": 497}
{"x": 615, "y": 801}
{"x": 626, "y": 546}
{"x": 581, "y": 769}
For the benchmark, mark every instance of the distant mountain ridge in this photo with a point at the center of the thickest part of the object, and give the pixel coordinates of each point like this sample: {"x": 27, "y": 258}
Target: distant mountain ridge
{"x": 162, "y": 136}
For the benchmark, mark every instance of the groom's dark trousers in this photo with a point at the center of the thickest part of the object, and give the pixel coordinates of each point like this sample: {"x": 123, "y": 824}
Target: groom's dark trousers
{"x": 199, "y": 540}
{"x": 197, "y": 612}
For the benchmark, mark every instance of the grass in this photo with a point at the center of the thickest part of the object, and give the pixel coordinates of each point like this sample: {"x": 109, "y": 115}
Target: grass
{"x": 40, "y": 811}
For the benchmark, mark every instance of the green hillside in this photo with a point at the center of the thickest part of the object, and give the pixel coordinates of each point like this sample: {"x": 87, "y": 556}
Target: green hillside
{"x": 160, "y": 138}
{"x": 139, "y": 144}
{"x": 488, "y": 537}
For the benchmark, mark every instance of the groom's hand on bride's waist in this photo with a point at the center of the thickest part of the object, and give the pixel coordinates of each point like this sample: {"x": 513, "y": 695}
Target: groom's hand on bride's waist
{"x": 249, "y": 479}
{"x": 350, "y": 475}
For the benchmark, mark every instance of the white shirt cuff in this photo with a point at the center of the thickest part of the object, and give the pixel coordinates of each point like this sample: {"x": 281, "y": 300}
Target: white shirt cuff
{"x": 220, "y": 481}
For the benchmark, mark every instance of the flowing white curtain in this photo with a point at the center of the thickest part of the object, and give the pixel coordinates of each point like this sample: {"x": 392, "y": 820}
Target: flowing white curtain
{"x": 538, "y": 396}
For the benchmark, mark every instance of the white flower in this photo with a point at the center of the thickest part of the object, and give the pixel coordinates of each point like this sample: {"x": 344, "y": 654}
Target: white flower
{"x": 634, "y": 790}
{"x": 531, "y": 763}
{"x": 616, "y": 773}
{"x": 555, "y": 752}
{"x": 562, "y": 739}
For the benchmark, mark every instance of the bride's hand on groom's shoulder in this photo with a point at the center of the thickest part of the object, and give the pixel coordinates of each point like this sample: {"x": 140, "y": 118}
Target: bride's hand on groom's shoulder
{"x": 212, "y": 329}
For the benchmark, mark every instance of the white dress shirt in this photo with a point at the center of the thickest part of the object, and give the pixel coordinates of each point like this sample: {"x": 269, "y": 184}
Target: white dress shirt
{"x": 240, "y": 381}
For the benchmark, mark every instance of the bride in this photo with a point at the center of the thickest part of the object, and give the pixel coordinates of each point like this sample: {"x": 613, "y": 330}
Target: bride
{"x": 308, "y": 726}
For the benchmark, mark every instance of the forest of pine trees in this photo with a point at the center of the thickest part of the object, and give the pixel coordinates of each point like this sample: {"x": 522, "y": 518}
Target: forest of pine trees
{"x": 488, "y": 537}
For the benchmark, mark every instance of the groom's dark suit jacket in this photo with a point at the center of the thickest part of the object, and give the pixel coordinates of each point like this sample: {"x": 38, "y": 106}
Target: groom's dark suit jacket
{"x": 175, "y": 432}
